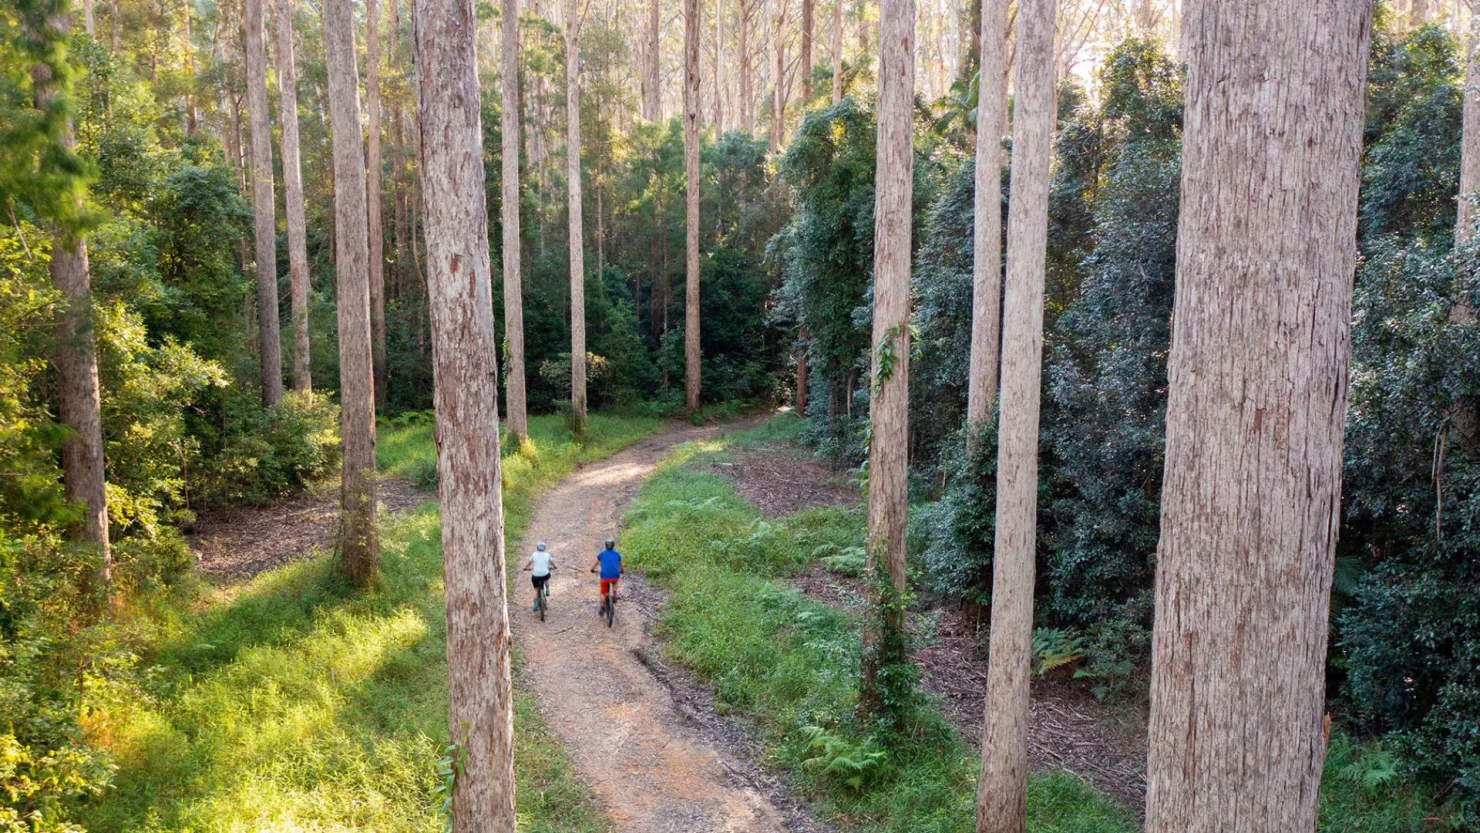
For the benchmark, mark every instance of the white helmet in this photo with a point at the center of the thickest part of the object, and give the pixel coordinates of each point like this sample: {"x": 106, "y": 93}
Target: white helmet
{"x": 540, "y": 546}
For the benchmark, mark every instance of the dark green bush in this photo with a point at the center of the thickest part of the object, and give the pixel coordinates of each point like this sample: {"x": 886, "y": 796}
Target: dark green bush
{"x": 272, "y": 453}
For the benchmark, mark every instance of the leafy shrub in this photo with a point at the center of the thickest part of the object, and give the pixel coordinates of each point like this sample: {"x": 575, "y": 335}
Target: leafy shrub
{"x": 853, "y": 763}
{"x": 424, "y": 475}
{"x": 275, "y": 452}
{"x": 952, "y": 538}
{"x": 46, "y": 766}
{"x": 1055, "y": 648}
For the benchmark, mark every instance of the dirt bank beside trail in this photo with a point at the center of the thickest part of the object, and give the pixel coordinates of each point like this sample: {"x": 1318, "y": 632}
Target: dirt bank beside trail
{"x": 639, "y": 732}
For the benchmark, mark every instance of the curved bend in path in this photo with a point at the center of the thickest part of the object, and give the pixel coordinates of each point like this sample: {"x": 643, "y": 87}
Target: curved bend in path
{"x": 652, "y": 771}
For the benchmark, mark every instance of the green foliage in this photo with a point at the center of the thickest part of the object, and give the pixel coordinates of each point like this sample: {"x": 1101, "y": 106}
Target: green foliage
{"x": 270, "y": 454}
{"x": 1107, "y": 372}
{"x": 41, "y": 178}
{"x": 1410, "y": 173}
{"x": 952, "y": 537}
{"x": 852, "y": 764}
{"x": 289, "y": 701}
{"x": 1369, "y": 789}
{"x": 1406, "y": 622}
{"x": 1055, "y": 648}
{"x": 790, "y": 664}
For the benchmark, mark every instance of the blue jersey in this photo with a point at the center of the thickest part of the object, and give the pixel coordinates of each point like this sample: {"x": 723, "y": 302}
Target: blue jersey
{"x": 611, "y": 564}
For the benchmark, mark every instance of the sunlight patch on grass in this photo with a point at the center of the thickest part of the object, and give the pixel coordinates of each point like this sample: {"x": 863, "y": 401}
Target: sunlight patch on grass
{"x": 290, "y": 702}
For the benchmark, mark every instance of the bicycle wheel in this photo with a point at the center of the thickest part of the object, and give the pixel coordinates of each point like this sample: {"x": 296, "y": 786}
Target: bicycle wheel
{"x": 611, "y": 609}
{"x": 541, "y": 601}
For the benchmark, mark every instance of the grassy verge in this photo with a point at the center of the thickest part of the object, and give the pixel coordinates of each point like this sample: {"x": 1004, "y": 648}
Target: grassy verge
{"x": 788, "y": 663}
{"x": 292, "y": 703}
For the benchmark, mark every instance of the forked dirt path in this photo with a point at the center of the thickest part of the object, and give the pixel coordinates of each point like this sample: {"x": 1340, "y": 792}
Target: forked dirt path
{"x": 652, "y": 768}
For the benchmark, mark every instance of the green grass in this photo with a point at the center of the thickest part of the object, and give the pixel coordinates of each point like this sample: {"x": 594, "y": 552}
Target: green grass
{"x": 293, "y": 703}
{"x": 1367, "y": 789}
{"x": 788, "y": 663}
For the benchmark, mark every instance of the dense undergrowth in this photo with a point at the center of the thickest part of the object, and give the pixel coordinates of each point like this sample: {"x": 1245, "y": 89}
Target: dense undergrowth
{"x": 290, "y": 702}
{"x": 789, "y": 665}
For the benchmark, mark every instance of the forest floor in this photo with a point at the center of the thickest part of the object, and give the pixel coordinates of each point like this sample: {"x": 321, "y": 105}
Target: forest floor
{"x": 238, "y": 542}
{"x": 1068, "y": 728}
{"x": 641, "y": 733}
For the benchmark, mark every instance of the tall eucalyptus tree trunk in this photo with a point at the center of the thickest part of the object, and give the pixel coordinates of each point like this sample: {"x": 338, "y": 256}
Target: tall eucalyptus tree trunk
{"x": 1002, "y": 790}
{"x": 79, "y": 405}
{"x": 651, "y": 76}
{"x": 1469, "y": 166}
{"x": 287, "y": 79}
{"x": 359, "y": 544}
{"x": 691, "y": 204}
{"x": 806, "y": 64}
{"x": 373, "y": 172}
{"x": 460, "y": 294}
{"x": 518, "y": 423}
{"x": 265, "y": 221}
{"x": 1257, "y": 395}
{"x": 888, "y": 457}
{"x": 986, "y": 299}
{"x": 837, "y": 52}
{"x": 577, "y": 234}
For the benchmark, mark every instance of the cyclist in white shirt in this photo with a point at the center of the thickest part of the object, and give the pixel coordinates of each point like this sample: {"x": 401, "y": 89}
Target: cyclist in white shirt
{"x": 539, "y": 565}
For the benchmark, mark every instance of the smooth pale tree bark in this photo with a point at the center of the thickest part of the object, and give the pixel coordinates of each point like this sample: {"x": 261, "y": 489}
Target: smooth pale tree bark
{"x": 807, "y": 9}
{"x": 577, "y": 234}
{"x": 778, "y": 67}
{"x": 190, "y": 111}
{"x": 372, "y": 200}
{"x": 1257, "y": 375}
{"x": 747, "y": 87}
{"x": 652, "y": 94}
{"x": 1002, "y": 790}
{"x": 287, "y": 79}
{"x": 87, "y": 16}
{"x": 464, "y": 354}
{"x": 888, "y": 452}
{"x": 263, "y": 208}
{"x": 837, "y": 52}
{"x": 79, "y": 406}
{"x": 518, "y": 423}
{"x": 1146, "y": 15}
{"x": 719, "y": 75}
{"x": 359, "y": 546}
{"x": 1469, "y": 166}
{"x": 691, "y": 204}
{"x": 986, "y": 295}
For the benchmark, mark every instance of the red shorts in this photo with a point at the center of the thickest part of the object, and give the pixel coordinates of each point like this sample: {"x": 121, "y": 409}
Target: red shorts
{"x": 608, "y": 583}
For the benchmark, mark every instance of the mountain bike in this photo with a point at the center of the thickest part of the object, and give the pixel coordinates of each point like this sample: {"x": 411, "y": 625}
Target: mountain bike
{"x": 540, "y": 603}
{"x": 609, "y": 607}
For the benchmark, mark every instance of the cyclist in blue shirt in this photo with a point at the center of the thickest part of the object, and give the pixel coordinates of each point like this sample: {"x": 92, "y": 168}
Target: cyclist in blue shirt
{"x": 609, "y": 562}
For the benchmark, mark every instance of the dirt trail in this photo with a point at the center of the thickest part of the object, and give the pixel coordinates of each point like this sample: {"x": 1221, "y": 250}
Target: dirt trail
{"x": 654, "y": 770}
